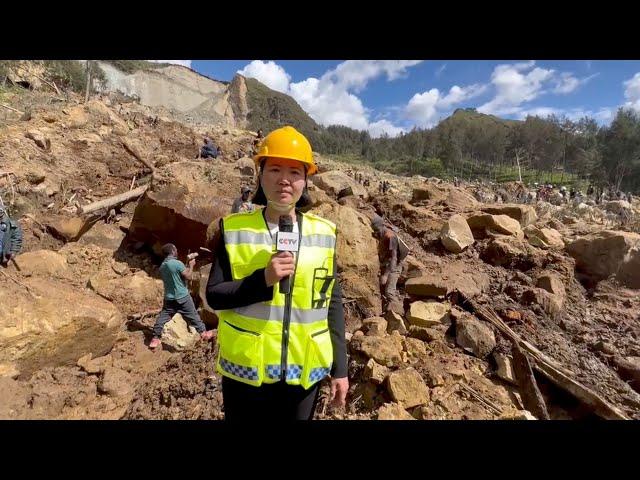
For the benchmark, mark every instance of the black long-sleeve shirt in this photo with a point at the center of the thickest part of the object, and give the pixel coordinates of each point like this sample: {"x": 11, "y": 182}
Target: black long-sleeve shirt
{"x": 225, "y": 293}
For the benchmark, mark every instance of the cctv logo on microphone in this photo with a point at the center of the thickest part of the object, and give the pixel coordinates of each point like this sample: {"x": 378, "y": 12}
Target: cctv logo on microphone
{"x": 287, "y": 242}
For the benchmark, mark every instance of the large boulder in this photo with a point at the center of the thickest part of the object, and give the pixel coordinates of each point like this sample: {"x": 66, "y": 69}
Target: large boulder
{"x": 474, "y": 336}
{"x": 384, "y": 350}
{"x": 181, "y": 209}
{"x": 606, "y": 253}
{"x": 133, "y": 293}
{"x": 42, "y": 262}
{"x": 426, "y": 286}
{"x": 550, "y": 303}
{"x": 357, "y": 255}
{"x": 525, "y": 214}
{"x": 428, "y": 191}
{"x": 68, "y": 229}
{"x": 374, "y": 372}
{"x": 552, "y": 283}
{"x": 459, "y": 199}
{"x": 425, "y": 334}
{"x": 393, "y": 411}
{"x": 395, "y": 322}
{"x": 447, "y": 278}
{"x": 414, "y": 347}
{"x": 375, "y": 326}
{"x": 408, "y": 388}
{"x": 318, "y": 197}
{"x": 77, "y": 117}
{"x": 505, "y": 251}
{"x": 107, "y": 116}
{"x": 334, "y": 181}
{"x": 54, "y": 324}
{"x": 427, "y": 314}
{"x": 544, "y": 237}
{"x": 456, "y": 234}
{"x": 499, "y": 224}
{"x": 104, "y": 235}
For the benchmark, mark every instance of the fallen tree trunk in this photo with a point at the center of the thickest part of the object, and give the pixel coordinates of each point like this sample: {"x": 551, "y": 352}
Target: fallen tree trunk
{"x": 551, "y": 369}
{"x": 531, "y": 396}
{"x": 134, "y": 152}
{"x": 112, "y": 201}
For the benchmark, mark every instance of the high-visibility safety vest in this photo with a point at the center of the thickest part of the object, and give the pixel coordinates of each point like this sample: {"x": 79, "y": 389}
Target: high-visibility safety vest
{"x": 286, "y": 338}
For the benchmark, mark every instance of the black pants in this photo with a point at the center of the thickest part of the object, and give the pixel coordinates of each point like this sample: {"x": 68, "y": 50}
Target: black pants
{"x": 268, "y": 402}
{"x": 185, "y": 307}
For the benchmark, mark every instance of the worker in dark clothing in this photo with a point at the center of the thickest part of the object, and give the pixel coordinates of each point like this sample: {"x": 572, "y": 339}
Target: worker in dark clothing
{"x": 10, "y": 237}
{"x": 243, "y": 203}
{"x": 209, "y": 150}
{"x": 392, "y": 252}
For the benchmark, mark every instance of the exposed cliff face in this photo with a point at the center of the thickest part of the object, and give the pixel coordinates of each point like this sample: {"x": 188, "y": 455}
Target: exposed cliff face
{"x": 184, "y": 92}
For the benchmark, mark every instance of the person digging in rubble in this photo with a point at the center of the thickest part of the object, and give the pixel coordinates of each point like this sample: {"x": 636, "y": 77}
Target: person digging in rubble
{"x": 10, "y": 237}
{"x": 243, "y": 203}
{"x": 275, "y": 348}
{"x": 209, "y": 150}
{"x": 176, "y": 296}
{"x": 392, "y": 253}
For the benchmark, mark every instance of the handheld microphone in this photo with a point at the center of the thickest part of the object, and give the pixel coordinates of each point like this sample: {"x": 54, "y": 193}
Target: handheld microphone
{"x": 287, "y": 241}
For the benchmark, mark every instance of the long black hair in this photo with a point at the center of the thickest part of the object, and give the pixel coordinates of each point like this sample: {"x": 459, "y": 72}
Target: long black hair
{"x": 259, "y": 198}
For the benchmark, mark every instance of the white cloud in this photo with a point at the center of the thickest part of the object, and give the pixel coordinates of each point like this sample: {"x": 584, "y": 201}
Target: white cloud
{"x": 269, "y": 73}
{"x": 460, "y": 94}
{"x": 427, "y": 107}
{"x": 440, "y": 70}
{"x": 329, "y": 104}
{"x": 422, "y": 107}
{"x": 515, "y": 84}
{"x": 355, "y": 74}
{"x": 329, "y": 100}
{"x": 376, "y": 129}
{"x": 184, "y": 63}
{"x": 632, "y": 92}
{"x": 602, "y": 116}
{"x": 567, "y": 83}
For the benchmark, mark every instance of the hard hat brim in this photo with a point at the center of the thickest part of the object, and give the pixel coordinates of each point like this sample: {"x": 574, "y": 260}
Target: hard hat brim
{"x": 312, "y": 168}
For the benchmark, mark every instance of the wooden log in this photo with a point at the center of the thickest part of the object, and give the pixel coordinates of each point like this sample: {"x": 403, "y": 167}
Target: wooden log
{"x": 115, "y": 200}
{"x": 551, "y": 369}
{"x": 134, "y": 152}
{"x": 531, "y": 396}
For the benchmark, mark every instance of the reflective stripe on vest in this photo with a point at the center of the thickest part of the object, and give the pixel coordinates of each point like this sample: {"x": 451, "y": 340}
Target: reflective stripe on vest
{"x": 252, "y": 337}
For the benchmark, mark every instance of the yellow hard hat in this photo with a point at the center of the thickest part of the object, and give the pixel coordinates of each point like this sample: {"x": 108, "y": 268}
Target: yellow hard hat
{"x": 287, "y": 142}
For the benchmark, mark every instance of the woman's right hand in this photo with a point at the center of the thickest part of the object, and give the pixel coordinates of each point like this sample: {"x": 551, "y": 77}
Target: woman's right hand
{"x": 281, "y": 265}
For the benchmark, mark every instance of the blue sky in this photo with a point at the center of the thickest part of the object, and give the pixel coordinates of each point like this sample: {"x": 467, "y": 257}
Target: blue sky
{"x": 396, "y": 95}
